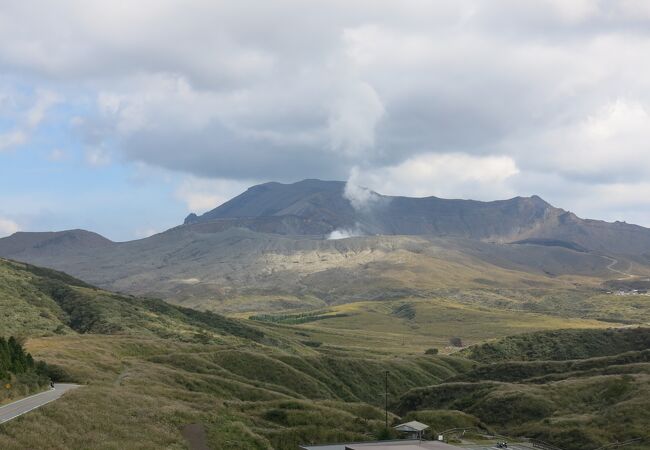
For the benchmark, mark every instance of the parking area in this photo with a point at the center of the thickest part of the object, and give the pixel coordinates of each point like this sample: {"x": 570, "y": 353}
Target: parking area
{"x": 494, "y": 447}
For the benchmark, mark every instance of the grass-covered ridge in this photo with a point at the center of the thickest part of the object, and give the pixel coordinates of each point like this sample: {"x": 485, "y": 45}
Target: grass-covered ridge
{"x": 561, "y": 345}
{"x": 46, "y": 302}
{"x": 533, "y": 389}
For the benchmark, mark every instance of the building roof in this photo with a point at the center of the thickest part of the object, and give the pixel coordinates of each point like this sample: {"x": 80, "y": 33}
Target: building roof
{"x": 424, "y": 445}
{"x": 405, "y": 444}
{"x": 411, "y": 426}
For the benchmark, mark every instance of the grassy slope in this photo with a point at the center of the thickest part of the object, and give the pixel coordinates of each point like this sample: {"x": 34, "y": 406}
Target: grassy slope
{"x": 576, "y": 404}
{"x": 34, "y": 300}
{"x": 142, "y": 391}
{"x": 561, "y": 345}
{"x": 431, "y": 323}
{"x": 151, "y": 368}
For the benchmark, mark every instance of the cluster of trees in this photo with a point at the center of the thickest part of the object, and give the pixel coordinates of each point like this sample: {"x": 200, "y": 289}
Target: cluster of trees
{"x": 14, "y": 359}
{"x": 20, "y": 375}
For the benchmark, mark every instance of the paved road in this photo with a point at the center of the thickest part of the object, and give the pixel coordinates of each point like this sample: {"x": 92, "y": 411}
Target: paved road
{"x": 20, "y": 407}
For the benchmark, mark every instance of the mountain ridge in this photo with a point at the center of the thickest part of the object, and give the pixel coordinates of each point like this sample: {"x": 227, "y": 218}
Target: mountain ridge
{"x": 313, "y": 207}
{"x": 316, "y": 207}
{"x": 273, "y": 240}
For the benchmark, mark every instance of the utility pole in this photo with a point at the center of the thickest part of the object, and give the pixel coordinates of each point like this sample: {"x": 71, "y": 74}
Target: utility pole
{"x": 386, "y": 398}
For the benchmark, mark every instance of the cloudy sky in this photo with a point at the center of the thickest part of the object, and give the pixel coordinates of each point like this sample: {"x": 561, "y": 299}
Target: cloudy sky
{"x": 122, "y": 118}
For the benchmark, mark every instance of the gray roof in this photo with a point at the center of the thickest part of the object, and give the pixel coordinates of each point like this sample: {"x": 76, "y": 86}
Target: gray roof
{"x": 411, "y": 426}
{"x": 380, "y": 445}
{"x": 410, "y": 445}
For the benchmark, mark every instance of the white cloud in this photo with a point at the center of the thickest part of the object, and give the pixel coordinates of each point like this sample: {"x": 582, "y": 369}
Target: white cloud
{"x": 44, "y": 101}
{"x": 443, "y": 175}
{"x": 377, "y": 83}
{"x": 612, "y": 143}
{"x": 575, "y": 10}
{"x": 12, "y": 139}
{"x": 26, "y": 121}
{"x": 97, "y": 157}
{"x": 201, "y": 195}
{"x": 158, "y": 100}
{"x": 418, "y": 94}
{"x": 353, "y": 119}
{"x": 8, "y": 227}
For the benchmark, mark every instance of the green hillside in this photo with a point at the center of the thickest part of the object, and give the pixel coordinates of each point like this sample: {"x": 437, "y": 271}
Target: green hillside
{"x": 414, "y": 325}
{"x": 38, "y": 301}
{"x": 561, "y": 345}
{"x": 150, "y": 369}
{"x": 534, "y": 389}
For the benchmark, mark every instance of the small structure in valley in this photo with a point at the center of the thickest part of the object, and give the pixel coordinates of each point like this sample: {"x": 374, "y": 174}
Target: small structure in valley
{"x": 413, "y": 429}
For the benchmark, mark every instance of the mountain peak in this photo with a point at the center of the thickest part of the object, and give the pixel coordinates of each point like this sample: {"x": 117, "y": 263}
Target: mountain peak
{"x": 539, "y": 200}
{"x": 271, "y": 199}
{"x": 318, "y": 207}
{"x": 24, "y": 241}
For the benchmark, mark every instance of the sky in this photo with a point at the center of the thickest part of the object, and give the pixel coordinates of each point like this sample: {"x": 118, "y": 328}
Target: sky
{"x": 123, "y": 117}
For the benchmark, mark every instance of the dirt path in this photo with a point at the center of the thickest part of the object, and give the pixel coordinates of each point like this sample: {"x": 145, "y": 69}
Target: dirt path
{"x": 611, "y": 265}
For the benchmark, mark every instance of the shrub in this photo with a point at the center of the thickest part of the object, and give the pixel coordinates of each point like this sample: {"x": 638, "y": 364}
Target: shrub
{"x": 385, "y": 434}
{"x": 456, "y": 341}
{"x": 58, "y": 373}
{"x": 277, "y": 416}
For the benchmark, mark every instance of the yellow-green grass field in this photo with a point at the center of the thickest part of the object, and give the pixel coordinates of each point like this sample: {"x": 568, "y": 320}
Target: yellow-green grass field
{"x": 140, "y": 392}
{"x": 377, "y": 325}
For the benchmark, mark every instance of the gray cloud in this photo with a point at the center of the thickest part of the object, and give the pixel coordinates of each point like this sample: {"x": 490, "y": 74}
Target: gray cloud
{"x": 288, "y": 90}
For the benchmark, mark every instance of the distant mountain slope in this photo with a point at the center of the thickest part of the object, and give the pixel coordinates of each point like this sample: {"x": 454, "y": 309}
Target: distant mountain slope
{"x": 271, "y": 240}
{"x": 277, "y": 199}
{"x": 53, "y": 242}
{"x": 321, "y": 207}
{"x": 315, "y": 207}
{"x": 206, "y": 267}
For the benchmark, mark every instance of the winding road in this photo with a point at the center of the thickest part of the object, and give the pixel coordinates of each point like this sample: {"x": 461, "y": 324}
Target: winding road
{"x": 27, "y": 404}
{"x": 610, "y": 267}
